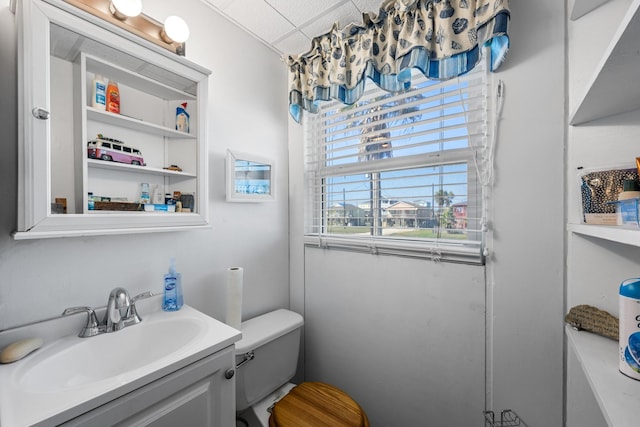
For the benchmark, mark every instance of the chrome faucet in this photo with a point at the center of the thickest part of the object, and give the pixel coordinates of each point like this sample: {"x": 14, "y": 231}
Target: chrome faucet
{"x": 117, "y": 307}
{"x": 121, "y": 312}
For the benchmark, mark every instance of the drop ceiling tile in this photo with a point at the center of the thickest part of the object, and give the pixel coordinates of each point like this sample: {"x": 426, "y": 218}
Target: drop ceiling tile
{"x": 300, "y": 12}
{"x": 220, "y": 4}
{"x": 293, "y": 44}
{"x": 345, "y": 14}
{"x": 260, "y": 18}
{"x": 368, "y": 5}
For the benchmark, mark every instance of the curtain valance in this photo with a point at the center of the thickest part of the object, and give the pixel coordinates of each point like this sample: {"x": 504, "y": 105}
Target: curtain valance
{"x": 441, "y": 38}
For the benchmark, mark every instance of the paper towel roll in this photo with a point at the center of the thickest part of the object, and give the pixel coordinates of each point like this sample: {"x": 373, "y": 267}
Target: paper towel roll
{"x": 234, "y": 297}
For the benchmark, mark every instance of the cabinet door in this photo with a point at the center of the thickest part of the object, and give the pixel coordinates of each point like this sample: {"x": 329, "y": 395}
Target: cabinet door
{"x": 198, "y": 395}
{"x": 62, "y": 48}
{"x": 34, "y": 109}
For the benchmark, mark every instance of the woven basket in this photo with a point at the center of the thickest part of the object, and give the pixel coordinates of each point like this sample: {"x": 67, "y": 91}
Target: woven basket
{"x": 588, "y": 318}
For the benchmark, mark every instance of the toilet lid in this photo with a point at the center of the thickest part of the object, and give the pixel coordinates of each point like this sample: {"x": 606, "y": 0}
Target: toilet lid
{"x": 315, "y": 404}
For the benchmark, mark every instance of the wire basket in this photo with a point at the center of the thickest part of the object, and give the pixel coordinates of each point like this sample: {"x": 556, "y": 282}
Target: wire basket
{"x": 507, "y": 418}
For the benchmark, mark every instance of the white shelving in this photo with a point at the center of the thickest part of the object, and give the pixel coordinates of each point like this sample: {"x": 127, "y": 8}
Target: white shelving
{"x": 617, "y": 395}
{"x": 611, "y": 90}
{"x": 134, "y": 124}
{"x": 582, "y": 7}
{"x": 102, "y": 164}
{"x": 614, "y": 234}
{"x": 614, "y": 88}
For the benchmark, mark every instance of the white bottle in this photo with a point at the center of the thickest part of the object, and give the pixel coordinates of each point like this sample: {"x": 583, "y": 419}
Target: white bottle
{"x": 629, "y": 330}
{"x": 98, "y": 92}
{"x": 157, "y": 197}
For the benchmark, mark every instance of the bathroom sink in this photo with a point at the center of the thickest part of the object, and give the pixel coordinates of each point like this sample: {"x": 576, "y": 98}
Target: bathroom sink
{"x": 74, "y": 362}
{"x": 70, "y": 375}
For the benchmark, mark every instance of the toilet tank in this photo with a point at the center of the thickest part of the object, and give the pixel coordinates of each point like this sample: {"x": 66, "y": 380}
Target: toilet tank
{"x": 274, "y": 339}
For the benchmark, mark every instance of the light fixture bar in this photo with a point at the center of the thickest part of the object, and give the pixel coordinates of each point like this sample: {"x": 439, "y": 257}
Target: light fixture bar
{"x": 141, "y": 25}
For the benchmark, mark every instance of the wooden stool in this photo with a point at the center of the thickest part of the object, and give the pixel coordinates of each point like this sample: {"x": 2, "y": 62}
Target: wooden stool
{"x": 314, "y": 404}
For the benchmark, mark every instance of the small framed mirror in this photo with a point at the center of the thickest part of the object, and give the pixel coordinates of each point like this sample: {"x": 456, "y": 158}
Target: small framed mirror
{"x": 249, "y": 178}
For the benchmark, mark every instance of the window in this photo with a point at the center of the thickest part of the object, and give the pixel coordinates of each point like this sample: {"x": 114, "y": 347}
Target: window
{"x": 397, "y": 173}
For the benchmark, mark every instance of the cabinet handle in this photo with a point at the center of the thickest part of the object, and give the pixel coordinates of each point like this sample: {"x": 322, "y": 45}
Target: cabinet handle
{"x": 229, "y": 373}
{"x": 40, "y": 113}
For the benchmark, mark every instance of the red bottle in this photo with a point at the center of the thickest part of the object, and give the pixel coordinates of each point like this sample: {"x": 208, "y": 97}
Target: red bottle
{"x": 113, "y": 97}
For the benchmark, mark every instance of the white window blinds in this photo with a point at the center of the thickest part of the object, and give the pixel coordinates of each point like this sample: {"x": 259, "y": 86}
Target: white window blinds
{"x": 397, "y": 173}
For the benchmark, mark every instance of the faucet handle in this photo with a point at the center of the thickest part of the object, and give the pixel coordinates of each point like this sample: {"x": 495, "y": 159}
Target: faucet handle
{"x": 132, "y": 317}
{"x": 92, "y": 327}
{"x": 144, "y": 295}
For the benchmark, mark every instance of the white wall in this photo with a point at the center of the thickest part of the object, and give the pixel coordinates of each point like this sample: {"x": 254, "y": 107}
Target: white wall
{"x": 247, "y": 113}
{"x": 525, "y": 283}
{"x": 526, "y": 287}
{"x": 404, "y": 331}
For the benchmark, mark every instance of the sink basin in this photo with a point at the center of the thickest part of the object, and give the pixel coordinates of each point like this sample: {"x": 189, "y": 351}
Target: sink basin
{"x": 70, "y": 375}
{"x": 74, "y": 362}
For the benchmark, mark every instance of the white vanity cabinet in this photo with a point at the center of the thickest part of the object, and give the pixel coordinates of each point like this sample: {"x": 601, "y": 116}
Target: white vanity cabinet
{"x": 61, "y": 49}
{"x": 197, "y": 395}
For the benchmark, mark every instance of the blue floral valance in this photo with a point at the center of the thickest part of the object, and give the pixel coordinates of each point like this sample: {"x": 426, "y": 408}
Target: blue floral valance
{"x": 441, "y": 38}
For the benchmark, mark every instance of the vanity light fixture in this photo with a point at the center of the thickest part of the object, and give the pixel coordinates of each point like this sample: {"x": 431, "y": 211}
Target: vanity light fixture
{"x": 175, "y": 30}
{"x": 128, "y": 15}
{"x": 123, "y": 9}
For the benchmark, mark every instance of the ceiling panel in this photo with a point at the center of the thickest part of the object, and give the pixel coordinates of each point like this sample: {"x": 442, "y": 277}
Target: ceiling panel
{"x": 300, "y": 12}
{"x": 295, "y": 43}
{"x": 259, "y": 18}
{"x": 287, "y": 26}
{"x": 344, "y": 15}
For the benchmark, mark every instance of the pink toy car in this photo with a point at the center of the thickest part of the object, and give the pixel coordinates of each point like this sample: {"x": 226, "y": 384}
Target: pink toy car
{"x": 113, "y": 150}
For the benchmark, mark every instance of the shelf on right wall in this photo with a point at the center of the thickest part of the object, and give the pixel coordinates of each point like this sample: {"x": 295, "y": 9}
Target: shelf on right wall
{"x": 614, "y": 87}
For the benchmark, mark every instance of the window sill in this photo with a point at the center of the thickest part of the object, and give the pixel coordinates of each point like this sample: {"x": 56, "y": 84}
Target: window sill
{"x": 466, "y": 252}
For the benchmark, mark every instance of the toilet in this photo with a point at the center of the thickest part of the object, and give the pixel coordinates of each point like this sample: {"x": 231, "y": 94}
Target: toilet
{"x": 266, "y": 360}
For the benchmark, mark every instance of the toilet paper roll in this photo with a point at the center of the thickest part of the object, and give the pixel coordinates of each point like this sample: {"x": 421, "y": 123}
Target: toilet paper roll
{"x": 234, "y": 296}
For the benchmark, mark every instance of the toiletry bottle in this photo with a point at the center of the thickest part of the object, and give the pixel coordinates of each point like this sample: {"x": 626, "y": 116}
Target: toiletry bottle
{"x": 98, "y": 93}
{"x": 157, "y": 198}
{"x": 90, "y": 202}
{"x": 173, "y": 299}
{"x": 144, "y": 193}
{"x": 113, "y": 97}
{"x": 629, "y": 330}
{"x": 630, "y": 190}
{"x": 182, "y": 118}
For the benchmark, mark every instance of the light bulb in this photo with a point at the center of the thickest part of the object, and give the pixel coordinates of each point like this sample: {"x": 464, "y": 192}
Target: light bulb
{"x": 123, "y": 9}
{"x": 175, "y": 30}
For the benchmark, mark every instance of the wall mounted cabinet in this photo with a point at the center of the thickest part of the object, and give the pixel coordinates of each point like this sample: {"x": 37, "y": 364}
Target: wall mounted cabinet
{"x": 61, "y": 50}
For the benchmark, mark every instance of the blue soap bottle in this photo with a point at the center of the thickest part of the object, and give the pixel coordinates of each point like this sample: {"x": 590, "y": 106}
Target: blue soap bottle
{"x": 173, "y": 299}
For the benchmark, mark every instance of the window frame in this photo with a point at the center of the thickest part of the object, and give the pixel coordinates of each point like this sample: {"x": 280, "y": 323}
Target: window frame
{"x": 437, "y": 249}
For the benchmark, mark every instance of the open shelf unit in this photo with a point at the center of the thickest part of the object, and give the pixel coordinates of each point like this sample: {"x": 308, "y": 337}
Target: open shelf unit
{"x": 614, "y": 87}
{"x": 594, "y": 268}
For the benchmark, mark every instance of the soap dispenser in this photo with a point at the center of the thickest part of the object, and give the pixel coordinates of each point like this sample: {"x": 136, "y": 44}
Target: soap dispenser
{"x": 173, "y": 299}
